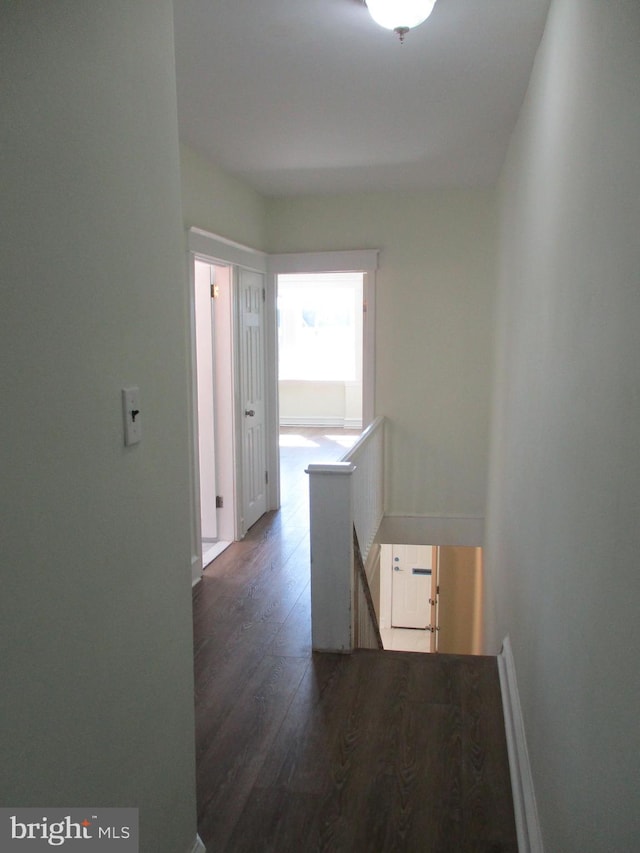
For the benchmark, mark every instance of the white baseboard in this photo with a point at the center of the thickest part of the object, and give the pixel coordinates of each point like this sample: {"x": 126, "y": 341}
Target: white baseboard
{"x": 197, "y": 846}
{"x": 211, "y": 550}
{"x": 311, "y": 422}
{"x": 524, "y": 798}
{"x": 196, "y": 569}
{"x": 322, "y": 423}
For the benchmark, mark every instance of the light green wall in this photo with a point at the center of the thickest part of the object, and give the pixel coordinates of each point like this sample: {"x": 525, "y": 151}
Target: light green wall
{"x": 96, "y": 663}
{"x": 220, "y": 203}
{"x": 564, "y": 524}
{"x": 434, "y": 302}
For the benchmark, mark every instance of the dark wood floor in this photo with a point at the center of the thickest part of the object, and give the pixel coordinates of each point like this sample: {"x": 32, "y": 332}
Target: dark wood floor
{"x": 375, "y": 751}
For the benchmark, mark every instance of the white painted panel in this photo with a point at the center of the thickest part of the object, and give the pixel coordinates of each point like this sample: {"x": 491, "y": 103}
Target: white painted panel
{"x": 331, "y": 556}
{"x": 252, "y": 395}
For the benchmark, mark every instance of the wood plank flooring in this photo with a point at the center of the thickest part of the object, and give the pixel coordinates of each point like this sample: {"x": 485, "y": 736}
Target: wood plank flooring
{"x": 374, "y": 751}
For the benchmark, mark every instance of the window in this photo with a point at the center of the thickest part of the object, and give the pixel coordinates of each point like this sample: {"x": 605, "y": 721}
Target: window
{"x": 320, "y": 326}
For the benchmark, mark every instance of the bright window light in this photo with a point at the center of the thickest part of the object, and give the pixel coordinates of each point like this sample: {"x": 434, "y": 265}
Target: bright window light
{"x": 320, "y": 327}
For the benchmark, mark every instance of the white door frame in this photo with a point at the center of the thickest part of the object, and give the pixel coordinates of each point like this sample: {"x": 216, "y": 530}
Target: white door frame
{"x": 362, "y": 260}
{"x": 212, "y": 249}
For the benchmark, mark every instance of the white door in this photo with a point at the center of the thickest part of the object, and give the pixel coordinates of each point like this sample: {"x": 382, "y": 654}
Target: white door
{"x": 413, "y": 586}
{"x": 251, "y": 295}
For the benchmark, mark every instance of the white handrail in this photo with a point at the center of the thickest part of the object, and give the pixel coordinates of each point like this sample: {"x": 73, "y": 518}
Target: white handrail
{"x": 367, "y": 455}
{"x": 374, "y": 426}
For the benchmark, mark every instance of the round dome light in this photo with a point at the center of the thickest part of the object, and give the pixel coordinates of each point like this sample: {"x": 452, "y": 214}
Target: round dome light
{"x": 400, "y": 14}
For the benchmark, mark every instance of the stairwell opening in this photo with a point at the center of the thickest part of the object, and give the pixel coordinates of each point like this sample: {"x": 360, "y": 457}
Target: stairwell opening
{"x": 429, "y": 598}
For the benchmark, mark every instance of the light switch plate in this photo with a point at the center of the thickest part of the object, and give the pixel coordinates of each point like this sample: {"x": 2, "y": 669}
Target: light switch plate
{"x": 131, "y": 415}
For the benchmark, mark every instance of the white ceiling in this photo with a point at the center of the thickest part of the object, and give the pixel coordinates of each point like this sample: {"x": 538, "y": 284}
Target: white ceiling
{"x": 311, "y": 96}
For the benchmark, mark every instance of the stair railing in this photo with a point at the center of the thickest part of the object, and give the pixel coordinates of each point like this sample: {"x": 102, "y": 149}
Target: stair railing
{"x": 344, "y": 496}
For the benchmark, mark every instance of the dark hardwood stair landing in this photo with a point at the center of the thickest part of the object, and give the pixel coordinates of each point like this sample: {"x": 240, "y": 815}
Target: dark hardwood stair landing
{"x": 300, "y": 752}
{"x": 374, "y": 751}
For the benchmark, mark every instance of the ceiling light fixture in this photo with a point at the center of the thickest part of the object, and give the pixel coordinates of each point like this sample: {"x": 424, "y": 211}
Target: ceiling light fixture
{"x": 400, "y": 15}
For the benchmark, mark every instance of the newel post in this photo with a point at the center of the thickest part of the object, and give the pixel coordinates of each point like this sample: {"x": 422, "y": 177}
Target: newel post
{"x": 331, "y": 518}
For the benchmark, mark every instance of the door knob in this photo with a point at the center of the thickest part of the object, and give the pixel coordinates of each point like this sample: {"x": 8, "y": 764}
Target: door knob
{"x": 249, "y": 413}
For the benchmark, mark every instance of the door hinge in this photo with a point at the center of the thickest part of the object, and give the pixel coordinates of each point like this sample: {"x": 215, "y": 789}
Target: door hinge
{"x": 264, "y": 295}
{"x": 215, "y": 291}
{"x": 219, "y": 502}
{"x": 266, "y": 477}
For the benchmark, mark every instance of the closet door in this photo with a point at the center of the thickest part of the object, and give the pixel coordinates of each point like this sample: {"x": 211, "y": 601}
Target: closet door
{"x": 251, "y": 296}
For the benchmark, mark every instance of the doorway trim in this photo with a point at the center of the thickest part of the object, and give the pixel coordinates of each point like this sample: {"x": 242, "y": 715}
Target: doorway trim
{"x": 213, "y": 249}
{"x": 363, "y": 261}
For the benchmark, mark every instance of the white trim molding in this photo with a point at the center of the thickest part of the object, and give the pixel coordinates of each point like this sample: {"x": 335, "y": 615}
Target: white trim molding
{"x": 197, "y": 846}
{"x": 212, "y": 246}
{"x": 524, "y": 798}
{"x": 322, "y": 422}
{"x": 357, "y": 260}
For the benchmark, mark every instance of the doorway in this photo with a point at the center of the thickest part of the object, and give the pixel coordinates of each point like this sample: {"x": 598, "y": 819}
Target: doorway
{"x": 214, "y": 412}
{"x": 320, "y": 359}
{"x": 231, "y": 409}
{"x": 431, "y": 598}
{"x": 364, "y": 264}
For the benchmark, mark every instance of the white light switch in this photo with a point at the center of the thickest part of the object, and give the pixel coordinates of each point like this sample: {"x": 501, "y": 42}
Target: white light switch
{"x": 132, "y": 416}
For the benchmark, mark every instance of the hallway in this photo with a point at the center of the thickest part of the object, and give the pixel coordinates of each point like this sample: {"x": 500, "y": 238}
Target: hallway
{"x": 363, "y": 752}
